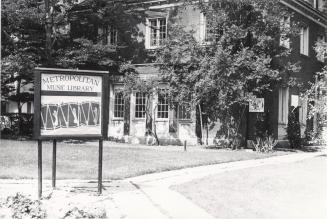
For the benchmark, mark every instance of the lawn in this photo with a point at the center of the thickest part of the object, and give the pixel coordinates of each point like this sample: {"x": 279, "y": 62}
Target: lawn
{"x": 18, "y": 159}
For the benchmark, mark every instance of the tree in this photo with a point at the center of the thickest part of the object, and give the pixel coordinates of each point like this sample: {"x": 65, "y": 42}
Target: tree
{"x": 149, "y": 87}
{"x": 241, "y": 57}
{"x": 316, "y": 96}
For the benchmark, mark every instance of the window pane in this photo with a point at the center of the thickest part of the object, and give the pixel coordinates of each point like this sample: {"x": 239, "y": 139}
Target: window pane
{"x": 162, "y": 30}
{"x": 119, "y": 105}
{"x": 162, "y": 104}
{"x": 153, "y": 32}
{"x": 183, "y": 112}
{"x": 140, "y": 105}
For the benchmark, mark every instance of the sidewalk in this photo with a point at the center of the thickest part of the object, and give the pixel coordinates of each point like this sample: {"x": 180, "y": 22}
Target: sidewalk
{"x": 147, "y": 196}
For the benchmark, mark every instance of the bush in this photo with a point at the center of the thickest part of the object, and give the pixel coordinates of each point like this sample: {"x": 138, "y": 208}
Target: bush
{"x": 293, "y": 128}
{"x": 264, "y": 145}
{"x": 23, "y": 207}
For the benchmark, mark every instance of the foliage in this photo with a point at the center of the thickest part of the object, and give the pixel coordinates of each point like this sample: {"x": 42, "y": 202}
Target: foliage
{"x": 262, "y": 126}
{"x": 265, "y": 144}
{"x": 241, "y": 57}
{"x": 149, "y": 86}
{"x": 17, "y": 125}
{"x": 293, "y": 128}
{"x": 75, "y": 212}
{"x": 24, "y": 207}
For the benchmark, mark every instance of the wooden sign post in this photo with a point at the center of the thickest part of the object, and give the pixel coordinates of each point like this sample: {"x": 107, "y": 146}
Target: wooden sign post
{"x": 70, "y": 104}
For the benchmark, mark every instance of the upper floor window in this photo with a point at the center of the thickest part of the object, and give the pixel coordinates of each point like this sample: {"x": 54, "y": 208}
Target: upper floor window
{"x": 157, "y": 32}
{"x": 162, "y": 104}
{"x": 316, "y": 4}
{"x": 109, "y": 35}
{"x": 285, "y": 26}
{"x": 304, "y": 41}
{"x": 321, "y": 57}
{"x": 119, "y": 105}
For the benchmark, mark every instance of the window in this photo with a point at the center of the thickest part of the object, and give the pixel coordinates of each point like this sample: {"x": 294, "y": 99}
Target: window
{"x": 140, "y": 101}
{"x": 283, "y": 98}
{"x": 304, "y": 41}
{"x": 157, "y": 32}
{"x": 109, "y": 35}
{"x": 162, "y": 104}
{"x": 321, "y": 57}
{"x": 119, "y": 105}
{"x": 208, "y": 31}
{"x": 285, "y": 26}
{"x": 183, "y": 112}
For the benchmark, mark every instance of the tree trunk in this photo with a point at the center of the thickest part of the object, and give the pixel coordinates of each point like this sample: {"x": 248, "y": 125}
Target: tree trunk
{"x": 19, "y": 107}
{"x": 201, "y": 122}
{"x": 48, "y": 32}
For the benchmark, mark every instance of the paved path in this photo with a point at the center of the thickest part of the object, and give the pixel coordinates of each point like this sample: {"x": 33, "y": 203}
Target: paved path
{"x": 149, "y": 196}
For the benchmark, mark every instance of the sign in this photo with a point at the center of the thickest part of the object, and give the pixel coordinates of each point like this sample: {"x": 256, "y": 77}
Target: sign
{"x": 295, "y": 100}
{"x": 257, "y": 105}
{"x": 71, "y": 103}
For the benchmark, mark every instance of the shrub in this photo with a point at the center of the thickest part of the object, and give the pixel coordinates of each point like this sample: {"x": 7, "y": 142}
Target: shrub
{"x": 23, "y": 207}
{"x": 264, "y": 145}
{"x": 293, "y": 128}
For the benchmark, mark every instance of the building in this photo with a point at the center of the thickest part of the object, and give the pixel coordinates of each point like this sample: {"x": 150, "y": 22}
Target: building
{"x": 174, "y": 126}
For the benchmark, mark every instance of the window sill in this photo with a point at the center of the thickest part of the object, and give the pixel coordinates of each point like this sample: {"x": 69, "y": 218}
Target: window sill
{"x": 117, "y": 119}
{"x": 162, "y": 119}
{"x": 304, "y": 55}
{"x": 138, "y": 119}
{"x": 185, "y": 121}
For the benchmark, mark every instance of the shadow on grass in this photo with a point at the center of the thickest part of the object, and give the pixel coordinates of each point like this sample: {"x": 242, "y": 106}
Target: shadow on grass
{"x": 302, "y": 149}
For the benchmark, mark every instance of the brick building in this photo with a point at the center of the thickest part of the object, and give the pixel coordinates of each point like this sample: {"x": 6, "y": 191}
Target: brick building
{"x": 126, "y": 117}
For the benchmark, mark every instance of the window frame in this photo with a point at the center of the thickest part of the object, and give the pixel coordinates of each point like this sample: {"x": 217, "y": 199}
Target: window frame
{"x": 285, "y": 41}
{"x": 119, "y": 105}
{"x": 304, "y": 41}
{"x": 141, "y": 106}
{"x": 323, "y": 39}
{"x": 148, "y": 39}
{"x": 162, "y": 107}
{"x": 185, "y": 112}
{"x": 106, "y": 35}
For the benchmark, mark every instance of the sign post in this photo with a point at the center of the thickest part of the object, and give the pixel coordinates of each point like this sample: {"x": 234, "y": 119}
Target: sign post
{"x": 54, "y": 163}
{"x": 70, "y": 104}
{"x": 39, "y": 166}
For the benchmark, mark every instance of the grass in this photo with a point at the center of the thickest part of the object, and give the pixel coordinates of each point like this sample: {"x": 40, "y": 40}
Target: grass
{"x": 18, "y": 159}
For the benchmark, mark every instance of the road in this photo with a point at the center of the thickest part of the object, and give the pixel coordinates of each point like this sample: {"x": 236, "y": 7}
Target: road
{"x": 284, "y": 190}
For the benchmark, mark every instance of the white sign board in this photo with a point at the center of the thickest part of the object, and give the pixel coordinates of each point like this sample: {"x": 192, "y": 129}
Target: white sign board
{"x": 257, "y": 105}
{"x": 71, "y": 104}
{"x": 295, "y": 100}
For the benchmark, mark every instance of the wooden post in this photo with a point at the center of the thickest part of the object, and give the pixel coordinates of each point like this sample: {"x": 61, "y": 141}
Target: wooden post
{"x": 100, "y": 166}
{"x": 39, "y": 165}
{"x": 184, "y": 145}
{"x": 54, "y": 163}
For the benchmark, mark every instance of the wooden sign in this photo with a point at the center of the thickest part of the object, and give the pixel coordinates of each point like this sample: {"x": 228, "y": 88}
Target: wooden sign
{"x": 70, "y": 103}
{"x": 257, "y": 105}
